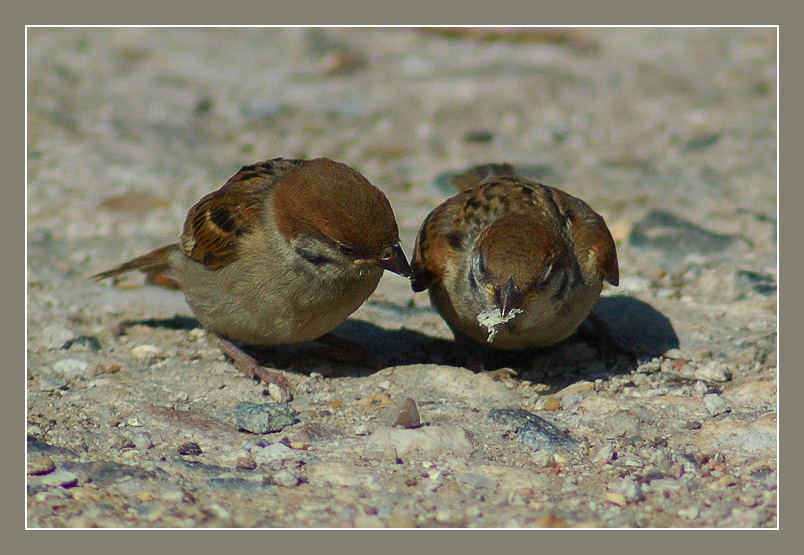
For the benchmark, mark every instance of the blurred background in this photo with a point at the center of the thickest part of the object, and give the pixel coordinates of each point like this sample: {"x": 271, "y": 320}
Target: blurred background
{"x": 669, "y": 133}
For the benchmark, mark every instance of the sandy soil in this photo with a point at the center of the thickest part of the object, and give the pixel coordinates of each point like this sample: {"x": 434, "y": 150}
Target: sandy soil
{"x": 670, "y": 134}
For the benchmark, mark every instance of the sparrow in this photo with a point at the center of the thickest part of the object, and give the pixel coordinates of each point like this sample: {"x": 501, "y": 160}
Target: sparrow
{"x": 282, "y": 253}
{"x": 511, "y": 263}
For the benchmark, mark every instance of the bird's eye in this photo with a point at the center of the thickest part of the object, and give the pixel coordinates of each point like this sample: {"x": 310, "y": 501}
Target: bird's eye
{"x": 346, "y": 250}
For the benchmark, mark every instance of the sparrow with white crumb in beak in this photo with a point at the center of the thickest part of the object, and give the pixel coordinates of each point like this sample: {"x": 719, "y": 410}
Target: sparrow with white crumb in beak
{"x": 511, "y": 263}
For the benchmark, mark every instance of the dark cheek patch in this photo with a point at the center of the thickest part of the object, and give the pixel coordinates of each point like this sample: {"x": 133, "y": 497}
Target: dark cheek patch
{"x": 315, "y": 259}
{"x": 222, "y": 218}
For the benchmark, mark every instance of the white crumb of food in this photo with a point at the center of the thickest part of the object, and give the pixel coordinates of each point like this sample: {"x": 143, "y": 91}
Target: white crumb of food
{"x": 493, "y": 317}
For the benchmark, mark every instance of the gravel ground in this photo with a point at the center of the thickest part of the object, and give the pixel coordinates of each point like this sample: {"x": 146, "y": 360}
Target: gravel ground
{"x": 669, "y": 133}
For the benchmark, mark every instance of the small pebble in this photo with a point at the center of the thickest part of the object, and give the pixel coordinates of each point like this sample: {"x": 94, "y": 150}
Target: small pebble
{"x": 38, "y": 465}
{"x": 342, "y": 479}
{"x": 661, "y": 485}
{"x": 552, "y": 404}
{"x": 55, "y": 336}
{"x": 142, "y": 441}
{"x": 286, "y": 478}
{"x": 650, "y": 367}
{"x": 262, "y": 419}
{"x": 700, "y": 388}
{"x": 278, "y": 394}
{"x": 146, "y": 353}
{"x": 605, "y": 454}
{"x": 714, "y": 371}
{"x": 406, "y": 416}
{"x": 633, "y": 461}
{"x": 174, "y": 495}
{"x": 576, "y": 388}
{"x": 257, "y": 442}
{"x": 714, "y": 404}
{"x": 189, "y": 448}
{"x": 276, "y": 455}
{"x": 629, "y": 489}
{"x": 63, "y": 478}
{"x": 533, "y": 430}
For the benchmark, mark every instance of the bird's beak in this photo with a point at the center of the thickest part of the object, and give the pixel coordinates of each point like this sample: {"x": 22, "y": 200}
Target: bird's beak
{"x": 507, "y": 297}
{"x": 392, "y": 259}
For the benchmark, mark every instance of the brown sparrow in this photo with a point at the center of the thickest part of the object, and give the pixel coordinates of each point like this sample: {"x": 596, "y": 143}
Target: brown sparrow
{"x": 283, "y": 252}
{"x": 511, "y": 263}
